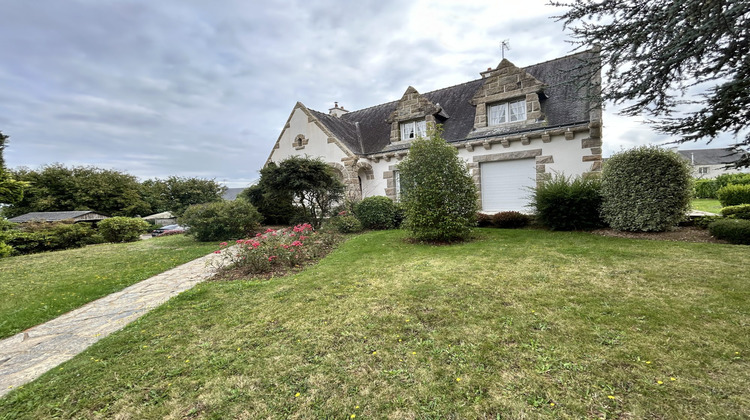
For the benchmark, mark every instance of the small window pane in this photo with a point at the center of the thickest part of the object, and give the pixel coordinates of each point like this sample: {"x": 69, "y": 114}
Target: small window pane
{"x": 498, "y": 114}
{"x": 518, "y": 111}
{"x": 421, "y": 129}
{"x": 407, "y": 131}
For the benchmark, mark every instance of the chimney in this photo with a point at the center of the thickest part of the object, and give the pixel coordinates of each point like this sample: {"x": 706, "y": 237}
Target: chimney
{"x": 337, "y": 110}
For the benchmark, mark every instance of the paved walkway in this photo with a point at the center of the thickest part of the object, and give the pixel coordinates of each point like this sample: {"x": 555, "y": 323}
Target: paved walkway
{"x": 27, "y": 355}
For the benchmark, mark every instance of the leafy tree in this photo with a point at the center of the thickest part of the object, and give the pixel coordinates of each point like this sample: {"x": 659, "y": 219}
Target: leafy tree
{"x": 658, "y": 51}
{"x": 11, "y": 190}
{"x": 277, "y": 207}
{"x": 311, "y": 183}
{"x": 176, "y": 193}
{"x": 438, "y": 194}
{"x": 59, "y": 188}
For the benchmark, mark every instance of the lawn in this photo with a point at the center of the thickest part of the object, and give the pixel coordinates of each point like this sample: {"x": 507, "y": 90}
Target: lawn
{"x": 40, "y": 287}
{"x": 707, "y": 204}
{"x": 517, "y": 324}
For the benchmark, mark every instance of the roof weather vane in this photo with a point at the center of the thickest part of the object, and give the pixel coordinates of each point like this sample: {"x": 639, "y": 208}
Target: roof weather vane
{"x": 504, "y": 46}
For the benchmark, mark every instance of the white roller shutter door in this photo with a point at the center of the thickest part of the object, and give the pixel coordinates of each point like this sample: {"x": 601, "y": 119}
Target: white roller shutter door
{"x": 505, "y": 184}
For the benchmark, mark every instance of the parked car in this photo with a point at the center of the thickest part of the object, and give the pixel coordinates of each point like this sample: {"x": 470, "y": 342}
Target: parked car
{"x": 169, "y": 229}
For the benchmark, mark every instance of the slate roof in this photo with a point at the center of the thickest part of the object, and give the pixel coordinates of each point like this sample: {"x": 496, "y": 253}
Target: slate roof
{"x": 231, "y": 193}
{"x": 55, "y": 216}
{"x": 366, "y": 131}
{"x": 162, "y": 215}
{"x": 711, "y": 156}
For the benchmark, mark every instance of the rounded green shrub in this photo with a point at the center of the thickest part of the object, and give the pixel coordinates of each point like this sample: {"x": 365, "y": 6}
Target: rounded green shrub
{"x": 646, "y": 189}
{"x": 732, "y": 179}
{"x": 221, "y": 220}
{"x": 484, "y": 220}
{"x": 5, "y": 250}
{"x": 344, "y": 223}
{"x": 741, "y": 211}
{"x": 437, "y": 192}
{"x": 733, "y": 195}
{"x": 510, "y": 220}
{"x": 122, "y": 229}
{"x": 736, "y": 231}
{"x": 564, "y": 203}
{"x": 706, "y": 188}
{"x": 376, "y": 212}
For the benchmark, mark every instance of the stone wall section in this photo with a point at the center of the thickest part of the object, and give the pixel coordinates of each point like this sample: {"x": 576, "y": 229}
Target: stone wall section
{"x": 412, "y": 106}
{"x": 503, "y": 84}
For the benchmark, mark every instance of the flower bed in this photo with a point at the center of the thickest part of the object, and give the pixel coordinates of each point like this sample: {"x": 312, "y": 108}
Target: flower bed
{"x": 276, "y": 251}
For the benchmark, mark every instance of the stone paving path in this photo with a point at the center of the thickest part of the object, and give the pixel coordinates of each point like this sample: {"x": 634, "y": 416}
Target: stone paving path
{"x": 27, "y": 355}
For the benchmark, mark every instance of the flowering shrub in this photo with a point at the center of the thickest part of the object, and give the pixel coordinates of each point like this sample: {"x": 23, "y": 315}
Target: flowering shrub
{"x": 277, "y": 250}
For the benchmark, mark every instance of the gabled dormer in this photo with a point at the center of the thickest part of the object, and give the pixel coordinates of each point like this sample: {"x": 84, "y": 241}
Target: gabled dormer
{"x": 509, "y": 96}
{"x": 413, "y": 115}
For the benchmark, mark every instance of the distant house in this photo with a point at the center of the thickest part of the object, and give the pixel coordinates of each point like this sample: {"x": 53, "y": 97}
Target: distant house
{"x": 514, "y": 127}
{"x": 710, "y": 163}
{"x": 57, "y": 216}
{"x": 232, "y": 193}
{"x": 162, "y": 219}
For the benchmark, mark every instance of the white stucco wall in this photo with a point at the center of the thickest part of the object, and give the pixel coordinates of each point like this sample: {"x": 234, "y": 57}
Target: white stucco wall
{"x": 317, "y": 144}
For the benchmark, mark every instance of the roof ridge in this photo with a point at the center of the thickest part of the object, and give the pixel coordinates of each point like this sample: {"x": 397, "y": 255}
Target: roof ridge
{"x": 559, "y": 58}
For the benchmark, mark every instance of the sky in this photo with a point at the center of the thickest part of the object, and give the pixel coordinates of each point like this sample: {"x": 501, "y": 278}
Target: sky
{"x": 197, "y": 88}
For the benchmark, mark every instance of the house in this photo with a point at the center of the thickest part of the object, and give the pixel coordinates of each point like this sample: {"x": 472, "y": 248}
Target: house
{"x": 57, "y": 216}
{"x": 231, "y": 193}
{"x": 710, "y": 163}
{"x": 513, "y": 126}
{"x": 161, "y": 219}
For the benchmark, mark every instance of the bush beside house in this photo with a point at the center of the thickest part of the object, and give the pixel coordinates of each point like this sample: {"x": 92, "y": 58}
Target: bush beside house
{"x": 564, "y": 203}
{"x": 122, "y": 229}
{"x": 376, "y": 212}
{"x": 645, "y": 189}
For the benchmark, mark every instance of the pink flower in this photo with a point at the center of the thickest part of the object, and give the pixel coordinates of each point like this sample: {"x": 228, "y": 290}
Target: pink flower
{"x": 269, "y": 230}
{"x": 255, "y": 244}
{"x": 258, "y": 234}
{"x": 296, "y": 243}
{"x": 223, "y": 244}
{"x": 291, "y": 234}
{"x": 271, "y": 258}
{"x": 217, "y": 252}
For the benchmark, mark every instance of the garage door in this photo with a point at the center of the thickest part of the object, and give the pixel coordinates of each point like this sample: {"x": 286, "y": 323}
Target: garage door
{"x": 505, "y": 184}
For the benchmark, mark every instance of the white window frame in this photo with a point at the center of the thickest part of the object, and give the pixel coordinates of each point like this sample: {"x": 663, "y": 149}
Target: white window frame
{"x": 410, "y": 130}
{"x": 703, "y": 170}
{"x": 506, "y": 112}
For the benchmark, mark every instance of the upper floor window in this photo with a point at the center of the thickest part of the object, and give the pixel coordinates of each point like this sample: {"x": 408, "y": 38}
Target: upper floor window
{"x": 507, "y": 112}
{"x": 413, "y": 129}
{"x": 703, "y": 170}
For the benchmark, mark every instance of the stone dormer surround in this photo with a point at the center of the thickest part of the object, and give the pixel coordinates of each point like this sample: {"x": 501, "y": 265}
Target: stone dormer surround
{"x": 506, "y": 83}
{"x": 411, "y": 106}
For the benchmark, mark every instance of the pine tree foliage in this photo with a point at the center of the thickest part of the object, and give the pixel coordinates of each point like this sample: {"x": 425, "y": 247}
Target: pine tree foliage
{"x": 657, "y": 53}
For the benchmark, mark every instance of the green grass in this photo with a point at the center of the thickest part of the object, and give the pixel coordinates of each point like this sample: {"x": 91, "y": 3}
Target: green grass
{"x": 707, "y": 204}
{"x": 40, "y": 287}
{"x": 517, "y": 324}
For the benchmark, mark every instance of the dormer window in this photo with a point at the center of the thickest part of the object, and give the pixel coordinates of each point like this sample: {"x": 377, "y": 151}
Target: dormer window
{"x": 507, "y": 112}
{"x": 412, "y": 129}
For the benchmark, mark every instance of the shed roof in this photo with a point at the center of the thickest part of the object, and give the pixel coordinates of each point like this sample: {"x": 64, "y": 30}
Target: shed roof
{"x": 55, "y": 216}
{"x": 162, "y": 215}
{"x": 722, "y": 156}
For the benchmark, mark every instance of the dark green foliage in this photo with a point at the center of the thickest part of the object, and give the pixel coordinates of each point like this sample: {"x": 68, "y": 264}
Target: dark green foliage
{"x": 645, "y": 189}
{"x": 222, "y": 220}
{"x": 733, "y": 195}
{"x": 376, "y": 212}
{"x": 704, "y": 221}
{"x": 275, "y": 206}
{"x": 484, "y": 219}
{"x": 437, "y": 192}
{"x": 345, "y": 223}
{"x": 736, "y": 231}
{"x": 706, "y": 188}
{"x": 175, "y": 194}
{"x": 311, "y": 183}
{"x": 654, "y": 50}
{"x": 122, "y": 229}
{"x": 11, "y": 190}
{"x": 741, "y": 211}
{"x": 33, "y": 237}
{"x": 510, "y": 220}
{"x": 564, "y": 203}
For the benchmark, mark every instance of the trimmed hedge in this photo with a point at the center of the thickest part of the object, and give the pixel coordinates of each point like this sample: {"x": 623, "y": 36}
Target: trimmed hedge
{"x": 510, "y": 220}
{"x": 564, "y": 203}
{"x": 646, "y": 189}
{"x": 706, "y": 188}
{"x": 122, "y": 229}
{"x": 741, "y": 211}
{"x": 733, "y": 195}
{"x": 732, "y": 179}
{"x": 222, "y": 220}
{"x": 735, "y": 231}
{"x": 484, "y": 220}
{"x": 344, "y": 223}
{"x": 34, "y": 237}
{"x": 376, "y": 212}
